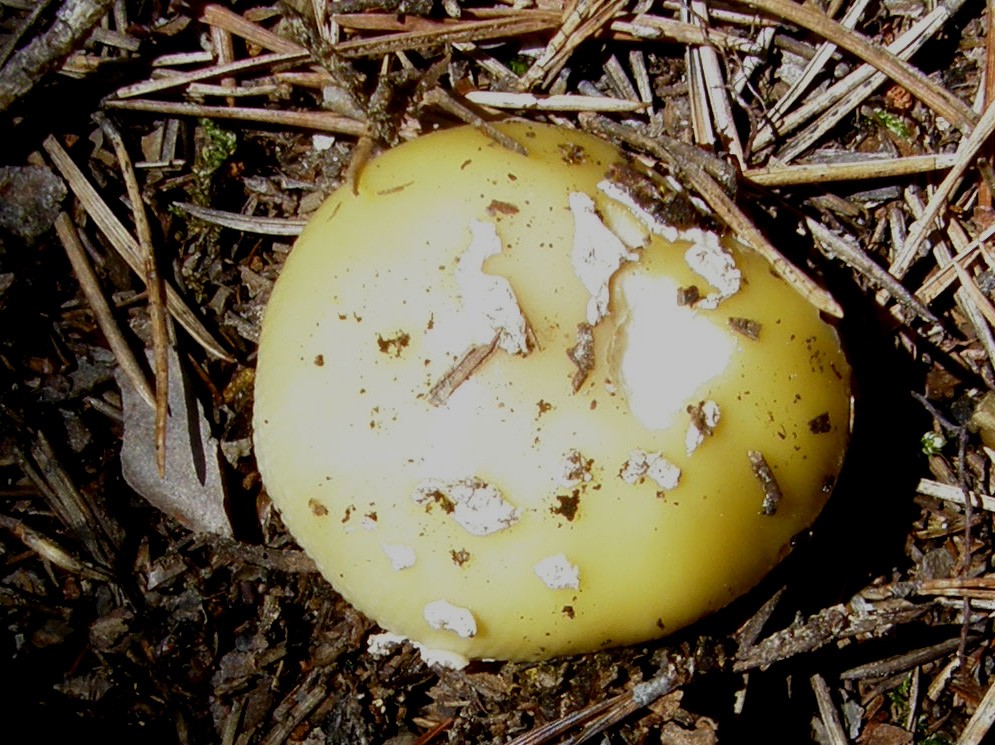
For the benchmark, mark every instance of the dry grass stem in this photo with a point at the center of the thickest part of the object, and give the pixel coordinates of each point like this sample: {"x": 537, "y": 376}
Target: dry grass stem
{"x": 180, "y": 79}
{"x": 742, "y": 76}
{"x": 446, "y": 102}
{"x": 827, "y": 711}
{"x": 901, "y": 663}
{"x": 715, "y": 87}
{"x": 563, "y": 102}
{"x": 218, "y": 16}
{"x": 977, "y": 297}
{"x": 447, "y": 33}
{"x": 50, "y": 551}
{"x": 774, "y": 118}
{"x": 460, "y": 372}
{"x": 981, "y": 721}
{"x": 701, "y": 122}
{"x": 585, "y": 19}
{"x": 247, "y": 90}
{"x": 221, "y": 41}
{"x": 153, "y": 288}
{"x": 618, "y": 79}
{"x": 125, "y": 244}
{"x": 296, "y": 707}
{"x": 101, "y": 308}
{"x": 953, "y": 493}
{"x": 972, "y": 307}
{"x": 844, "y": 96}
{"x": 637, "y": 61}
{"x": 850, "y": 253}
{"x": 658, "y": 28}
{"x": 937, "y": 203}
{"x": 290, "y": 227}
{"x": 179, "y": 59}
{"x": 967, "y": 252}
{"x": 319, "y": 121}
{"x": 865, "y": 168}
{"x": 936, "y": 97}
{"x": 85, "y": 519}
{"x": 979, "y": 588}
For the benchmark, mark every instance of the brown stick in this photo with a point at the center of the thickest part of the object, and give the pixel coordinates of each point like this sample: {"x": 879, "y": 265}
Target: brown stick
{"x": 90, "y": 285}
{"x": 125, "y": 244}
{"x": 154, "y": 288}
{"x": 47, "y": 51}
{"x": 936, "y": 97}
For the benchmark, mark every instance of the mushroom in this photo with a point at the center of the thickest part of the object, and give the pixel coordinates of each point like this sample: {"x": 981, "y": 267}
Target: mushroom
{"x": 518, "y": 406}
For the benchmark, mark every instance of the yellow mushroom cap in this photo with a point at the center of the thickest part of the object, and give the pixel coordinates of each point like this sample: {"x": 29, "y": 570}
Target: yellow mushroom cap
{"x": 511, "y": 413}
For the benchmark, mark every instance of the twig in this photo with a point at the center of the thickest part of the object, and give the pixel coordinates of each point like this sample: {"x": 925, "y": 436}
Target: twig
{"x": 245, "y": 223}
{"x": 563, "y": 102}
{"x": 47, "y": 50}
{"x": 701, "y": 123}
{"x": 923, "y": 225}
{"x": 967, "y": 297}
{"x": 321, "y": 121}
{"x": 747, "y": 634}
{"x": 296, "y": 706}
{"x": 89, "y": 524}
{"x": 10, "y": 43}
{"x": 981, "y": 721}
{"x": 101, "y": 309}
{"x": 460, "y": 372}
{"x": 125, "y": 244}
{"x": 656, "y": 27}
{"x": 430, "y": 734}
{"x": 599, "y": 717}
{"x": 830, "y": 624}
{"x": 966, "y": 253}
{"x": 438, "y": 97}
{"x": 902, "y": 662}
{"x": 585, "y": 19}
{"x": 854, "y": 257}
{"x": 225, "y": 51}
{"x": 49, "y": 550}
{"x": 448, "y": 33}
{"x": 181, "y": 79}
{"x": 951, "y": 493}
{"x": 221, "y": 17}
{"x": 840, "y": 99}
{"x": 865, "y": 168}
{"x": 984, "y": 190}
{"x": 154, "y": 289}
{"x": 618, "y": 80}
{"x": 815, "y": 65}
{"x": 974, "y": 294}
{"x": 827, "y": 711}
{"x": 936, "y": 97}
{"x": 716, "y": 89}
{"x": 637, "y": 61}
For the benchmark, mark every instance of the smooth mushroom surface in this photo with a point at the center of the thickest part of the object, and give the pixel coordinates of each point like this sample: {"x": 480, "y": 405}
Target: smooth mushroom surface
{"x": 524, "y": 406}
